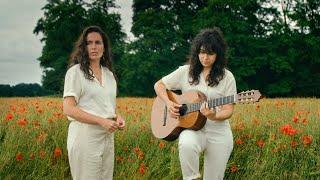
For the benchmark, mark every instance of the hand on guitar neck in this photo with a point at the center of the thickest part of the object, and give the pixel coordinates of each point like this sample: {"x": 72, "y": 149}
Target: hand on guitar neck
{"x": 210, "y": 113}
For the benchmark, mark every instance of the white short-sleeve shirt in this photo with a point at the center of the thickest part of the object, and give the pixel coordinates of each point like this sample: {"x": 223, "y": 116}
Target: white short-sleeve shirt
{"x": 179, "y": 80}
{"x": 91, "y": 96}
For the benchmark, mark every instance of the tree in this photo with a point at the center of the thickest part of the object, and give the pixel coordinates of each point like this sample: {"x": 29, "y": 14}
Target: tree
{"x": 163, "y": 38}
{"x": 5, "y": 90}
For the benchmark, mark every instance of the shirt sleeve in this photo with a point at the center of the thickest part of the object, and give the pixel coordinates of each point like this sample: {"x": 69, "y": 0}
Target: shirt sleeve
{"x": 230, "y": 87}
{"x": 72, "y": 84}
{"x": 173, "y": 80}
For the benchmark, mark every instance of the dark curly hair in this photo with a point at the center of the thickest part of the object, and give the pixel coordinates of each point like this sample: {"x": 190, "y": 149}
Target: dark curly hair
{"x": 80, "y": 52}
{"x": 212, "y": 41}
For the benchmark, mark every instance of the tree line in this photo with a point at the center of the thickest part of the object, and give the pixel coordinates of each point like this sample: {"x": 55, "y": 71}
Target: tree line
{"x": 22, "y": 90}
{"x": 273, "y": 44}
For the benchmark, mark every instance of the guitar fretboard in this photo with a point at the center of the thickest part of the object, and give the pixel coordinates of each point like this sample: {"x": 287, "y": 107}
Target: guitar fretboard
{"x": 212, "y": 103}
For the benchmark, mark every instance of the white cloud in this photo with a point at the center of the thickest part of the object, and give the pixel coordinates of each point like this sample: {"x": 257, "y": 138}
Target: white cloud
{"x": 20, "y": 48}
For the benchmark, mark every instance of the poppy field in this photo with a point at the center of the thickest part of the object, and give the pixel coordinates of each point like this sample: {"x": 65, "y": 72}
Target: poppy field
{"x": 273, "y": 139}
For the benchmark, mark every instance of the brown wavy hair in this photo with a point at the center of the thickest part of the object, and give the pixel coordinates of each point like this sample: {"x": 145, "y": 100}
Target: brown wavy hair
{"x": 212, "y": 41}
{"x": 80, "y": 52}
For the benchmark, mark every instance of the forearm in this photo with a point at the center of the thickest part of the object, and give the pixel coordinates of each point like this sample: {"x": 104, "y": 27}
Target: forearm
{"x": 161, "y": 91}
{"x": 220, "y": 115}
{"x": 82, "y": 116}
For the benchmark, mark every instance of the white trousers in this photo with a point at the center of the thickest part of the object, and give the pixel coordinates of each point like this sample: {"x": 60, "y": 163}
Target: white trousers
{"x": 216, "y": 143}
{"x": 90, "y": 152}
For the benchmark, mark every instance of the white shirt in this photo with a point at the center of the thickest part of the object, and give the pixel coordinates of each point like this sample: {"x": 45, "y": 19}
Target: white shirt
{"x": 179, "y": 80}
{"x": 91, "y": 96}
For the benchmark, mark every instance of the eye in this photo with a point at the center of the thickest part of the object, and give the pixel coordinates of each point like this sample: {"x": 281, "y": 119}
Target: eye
{"x": 89, "y": 42}
{"x": 99, "y": 42}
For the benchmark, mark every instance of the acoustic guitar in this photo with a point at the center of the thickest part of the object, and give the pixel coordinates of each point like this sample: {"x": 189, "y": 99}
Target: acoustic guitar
{"x": 165, "y": 127}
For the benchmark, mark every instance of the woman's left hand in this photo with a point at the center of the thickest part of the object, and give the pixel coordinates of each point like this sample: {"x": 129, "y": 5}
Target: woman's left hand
{"x": 121, "y": 122}
{"x": 207, "y": 112}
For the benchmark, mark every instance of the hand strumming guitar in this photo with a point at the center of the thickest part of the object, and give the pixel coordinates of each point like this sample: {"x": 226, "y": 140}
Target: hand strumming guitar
{"x": 173, "y": 109}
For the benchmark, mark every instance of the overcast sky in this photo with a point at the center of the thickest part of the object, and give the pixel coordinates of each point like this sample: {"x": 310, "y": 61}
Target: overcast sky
{"x": 20, "y": 48}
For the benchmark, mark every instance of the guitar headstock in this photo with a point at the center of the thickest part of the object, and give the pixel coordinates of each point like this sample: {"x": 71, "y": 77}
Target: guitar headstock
{"x": 248, "y": 96}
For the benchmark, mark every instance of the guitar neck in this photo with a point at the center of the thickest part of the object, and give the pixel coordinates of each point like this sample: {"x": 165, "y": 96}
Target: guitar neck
{"x": 213, "y": 103}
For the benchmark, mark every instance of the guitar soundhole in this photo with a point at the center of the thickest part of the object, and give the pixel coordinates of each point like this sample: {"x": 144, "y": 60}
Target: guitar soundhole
{"x": 183, "y": 110}
{"x": 165, "y": 116}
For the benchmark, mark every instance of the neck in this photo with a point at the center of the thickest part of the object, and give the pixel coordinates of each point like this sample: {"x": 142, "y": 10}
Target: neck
{"x": 206, "y": 71}
{"x": 95, "y": 64}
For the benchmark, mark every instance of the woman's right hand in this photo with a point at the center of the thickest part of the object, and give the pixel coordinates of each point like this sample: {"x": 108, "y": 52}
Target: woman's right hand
{"x": 173, "y": 109}
{"x": 109, "y": 125}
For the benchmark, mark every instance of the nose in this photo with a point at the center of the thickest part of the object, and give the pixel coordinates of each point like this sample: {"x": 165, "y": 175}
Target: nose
{"x": 94, "y": 46}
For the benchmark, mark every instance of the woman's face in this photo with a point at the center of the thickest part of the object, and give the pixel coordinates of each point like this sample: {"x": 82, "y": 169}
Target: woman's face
{"x": 206, "y": 58}
{"x": 95, "y": 46}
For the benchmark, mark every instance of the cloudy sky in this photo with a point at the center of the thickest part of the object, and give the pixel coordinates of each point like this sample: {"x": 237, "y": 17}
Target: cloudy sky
{"x": 20, "y": 48}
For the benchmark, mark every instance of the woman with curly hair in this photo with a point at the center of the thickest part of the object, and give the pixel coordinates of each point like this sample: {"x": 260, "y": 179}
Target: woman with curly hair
{"x": 205, "y": 72}
{"x": 89, "y": 102}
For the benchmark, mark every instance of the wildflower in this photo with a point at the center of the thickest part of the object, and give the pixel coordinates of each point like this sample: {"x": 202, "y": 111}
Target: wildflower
{"x": 304, "y": 121}
{"x": 119, "y": 158}
{"x": 141, "y": 155}
{"x": 136, "y": 150}
{"x": 306, "y": 140}
{"x": 57, "y": 152}
{"x": 19, "y": 156}
{"x": 142, "y": 168}
{"x": 288, "y": 130}
{"x": 256, "y": 121}
{"x": 295, "y": 119}
{"x": 239, "y": 141}
{"x": 9, "y": 117}
{"x": 162, "y": 144}
{"x": 260, "y": 143}
{"x": 233, "y": 169}
{"x": 22, "y": 122}
{"x": 42, "y": 154}
{"x": 293, "y": 143}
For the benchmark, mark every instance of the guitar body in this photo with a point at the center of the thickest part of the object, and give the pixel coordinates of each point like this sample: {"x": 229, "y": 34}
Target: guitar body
{"x": 165, "y": 127}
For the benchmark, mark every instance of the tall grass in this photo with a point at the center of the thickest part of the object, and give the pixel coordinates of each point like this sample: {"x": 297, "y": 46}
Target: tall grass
{"x": 273, "y": 139}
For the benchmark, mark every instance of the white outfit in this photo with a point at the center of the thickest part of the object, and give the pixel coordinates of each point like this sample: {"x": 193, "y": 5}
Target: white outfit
{"x": 214, "y": 139}
{"x": 91, "y": 147}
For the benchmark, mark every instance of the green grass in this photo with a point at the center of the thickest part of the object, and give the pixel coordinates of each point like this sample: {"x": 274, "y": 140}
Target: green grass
{"x": 262, "y": 148}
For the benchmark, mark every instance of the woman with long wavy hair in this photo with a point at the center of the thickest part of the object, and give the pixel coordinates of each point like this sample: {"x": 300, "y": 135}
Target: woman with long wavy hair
{"x": 89, "y": 102}
{"x": 205, "y": 72}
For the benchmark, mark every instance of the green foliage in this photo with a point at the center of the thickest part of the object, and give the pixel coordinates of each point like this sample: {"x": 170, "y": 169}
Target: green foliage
{"x": 273, "y": 46}
{"x": 22, "y": 90}
{"x": 164, "y": 35}
{"x": 5, "y": 90}
{"x": 265, "y": 51}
